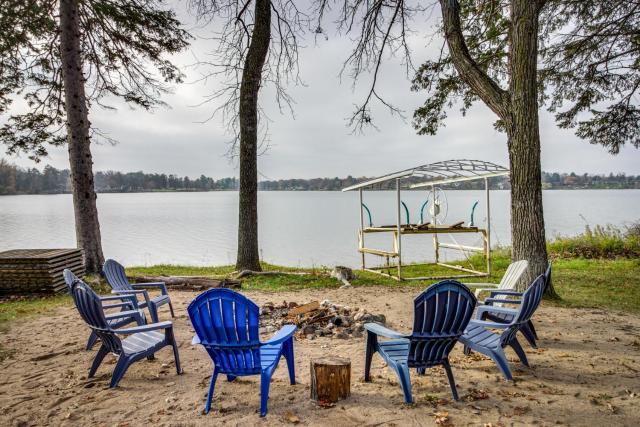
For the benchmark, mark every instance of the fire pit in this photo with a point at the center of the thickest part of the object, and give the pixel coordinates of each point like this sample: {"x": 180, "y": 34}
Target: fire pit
{"x": 317, "y": 319}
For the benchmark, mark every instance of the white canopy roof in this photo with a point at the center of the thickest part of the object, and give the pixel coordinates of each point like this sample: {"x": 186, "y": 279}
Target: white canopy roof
{"x": 444, "y": 172}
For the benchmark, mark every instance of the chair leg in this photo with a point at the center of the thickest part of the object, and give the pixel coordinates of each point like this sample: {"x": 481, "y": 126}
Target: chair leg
{"x": 519, "y": 351}
{"x": 452, "y": 381}
{"x": 265, "y": 381}
{"x": 466, "y": 350}
{"x": 288, "y": 355}
{"x": 370, "y": 349}
{"x": 533, "y": 330}
{"x": 102, "y": 352}
{"x": 172, "y": 340}
{"x": 212, "y": 385}
{"x": 405, "y": 382}
{"x": 171, "y": 309}
{"x": 500, "y": 359}
{"x": 93, "y": 338}
{"x": 528, "y": 335}
{"x": 153, "y": 311}
{"x": 119, "y": 371}
{"x": 421, "y": 371}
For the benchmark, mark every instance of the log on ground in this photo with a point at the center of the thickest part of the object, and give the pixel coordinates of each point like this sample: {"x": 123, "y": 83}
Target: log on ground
{"x": 189, "y": 282}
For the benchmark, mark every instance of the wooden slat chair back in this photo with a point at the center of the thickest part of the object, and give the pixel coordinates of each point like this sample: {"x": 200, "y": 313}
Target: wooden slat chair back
{"x": 441, "y": 314}
{"x": 227, "y": 325}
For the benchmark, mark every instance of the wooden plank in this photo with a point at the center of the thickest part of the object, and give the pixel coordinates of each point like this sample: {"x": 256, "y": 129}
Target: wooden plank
{"x": 302, "y": 309}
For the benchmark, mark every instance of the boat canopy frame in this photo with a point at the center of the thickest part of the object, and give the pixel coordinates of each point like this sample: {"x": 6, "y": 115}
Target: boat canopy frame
{"x": 438, "y": 173}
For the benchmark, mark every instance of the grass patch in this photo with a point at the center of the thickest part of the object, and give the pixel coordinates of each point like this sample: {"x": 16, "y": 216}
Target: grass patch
{"x": 580, "y": 282}
{"x": 601, "y": 242}
{"x": 598, "y": 269}
{"x": 22, "y": 307}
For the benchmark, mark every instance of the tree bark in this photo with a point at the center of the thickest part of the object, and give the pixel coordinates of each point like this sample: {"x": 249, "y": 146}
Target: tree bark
{"x": 248, "y": 252}
{"x": 523, "y": 131}
{"x": 518, "y": 109}
{"x": 80, "y": 161}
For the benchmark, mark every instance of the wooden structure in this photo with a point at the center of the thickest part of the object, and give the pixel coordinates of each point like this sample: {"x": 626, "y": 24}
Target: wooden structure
{"x": 330, "y": 379}
{"x": 446, "y": 172}
{"x": 27, "y": 271}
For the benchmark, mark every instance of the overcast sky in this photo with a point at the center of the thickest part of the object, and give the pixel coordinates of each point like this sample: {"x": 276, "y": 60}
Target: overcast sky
{"x": 316, "y": 142}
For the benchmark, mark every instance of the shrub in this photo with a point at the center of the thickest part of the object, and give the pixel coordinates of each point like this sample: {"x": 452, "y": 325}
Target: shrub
{"x": 600, "y": 242}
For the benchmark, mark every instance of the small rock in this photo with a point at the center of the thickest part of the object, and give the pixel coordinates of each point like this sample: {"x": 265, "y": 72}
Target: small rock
{"x": 346, "y": 286}
{"x": 330, "y": 325}
{"x": 342, "y": 335}
{"x": 309, "y": 329}
{"x": 311, "y": 336}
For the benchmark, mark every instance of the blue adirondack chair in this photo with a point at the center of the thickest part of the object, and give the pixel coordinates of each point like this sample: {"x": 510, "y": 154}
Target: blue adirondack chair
{"x": 479, "y": 335}
{"x": 124, "y": 302}
{"x": 441, "y": 314}
{"x": 142, "y": 340}
{"x": 117, "y": 279}
{"x": 226, "y": 325}
{"x": 528, "y": 330}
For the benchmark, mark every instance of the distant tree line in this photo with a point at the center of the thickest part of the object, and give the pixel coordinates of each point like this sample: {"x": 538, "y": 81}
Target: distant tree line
{"x": 17, "y": 180}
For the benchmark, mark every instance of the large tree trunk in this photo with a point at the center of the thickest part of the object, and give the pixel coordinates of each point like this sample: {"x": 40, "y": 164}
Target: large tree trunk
{"x": 527, "y": 220}
{"x": 84, "y": 195}
{"x": 518, "y": 109}
{"x": 248, "y": 253}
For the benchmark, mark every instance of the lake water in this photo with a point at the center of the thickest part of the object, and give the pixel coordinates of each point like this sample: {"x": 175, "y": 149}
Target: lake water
{"x": 295, "y": 228}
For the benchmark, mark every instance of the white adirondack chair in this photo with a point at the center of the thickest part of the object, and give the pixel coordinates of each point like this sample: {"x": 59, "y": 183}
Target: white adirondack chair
{"x": 508, "y": 282}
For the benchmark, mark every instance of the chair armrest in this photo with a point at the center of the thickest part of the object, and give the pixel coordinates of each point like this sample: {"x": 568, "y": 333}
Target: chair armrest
{"x": 114, "y": 297}
{"x": 487, "y": 324}
{"x": 116, "y": 305}
{"x": 136, "y": 314}
{"x": 134, "y": 292}
{"x": 478, "y": 291}
{"x": 506, "y": 292}
{"x": 486, "y": 285}
{"x": 383, "y": 331}
{"x": 490, "y": 301}
{"x": 144, "y": 328}
{"x": 282, "y": 335}
{"x": 484, "y": 308}
{"x": 161, "y": 285}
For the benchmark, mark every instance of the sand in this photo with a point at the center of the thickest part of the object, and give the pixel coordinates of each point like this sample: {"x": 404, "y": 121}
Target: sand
{"x": 586, "y": 372}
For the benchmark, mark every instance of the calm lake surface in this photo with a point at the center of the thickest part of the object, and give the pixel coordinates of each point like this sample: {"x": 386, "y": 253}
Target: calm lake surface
{"x": 295, "y": 228}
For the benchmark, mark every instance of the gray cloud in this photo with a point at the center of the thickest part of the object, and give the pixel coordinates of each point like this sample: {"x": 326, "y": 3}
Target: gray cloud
{"x": 317, "y": 142}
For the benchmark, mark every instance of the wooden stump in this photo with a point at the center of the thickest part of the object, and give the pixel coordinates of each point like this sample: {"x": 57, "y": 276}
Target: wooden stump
{"x": 330, "y": 379}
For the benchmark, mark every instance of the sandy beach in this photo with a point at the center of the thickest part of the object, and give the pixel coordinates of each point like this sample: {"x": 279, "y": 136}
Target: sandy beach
{"x": 585, "y": 372}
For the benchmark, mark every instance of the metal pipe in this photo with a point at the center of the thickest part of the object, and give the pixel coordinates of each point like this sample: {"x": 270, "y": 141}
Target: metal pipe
{"x": 399, "y": 227}
{"x": 486, "y": 188}
{"x": 361, "y": 225}
{"x": 436, "y": 243}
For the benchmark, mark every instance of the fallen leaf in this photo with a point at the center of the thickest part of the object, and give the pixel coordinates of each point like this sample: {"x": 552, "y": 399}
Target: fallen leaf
{"x": 520, "y": 410}
{"x": 290, "y": 417}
